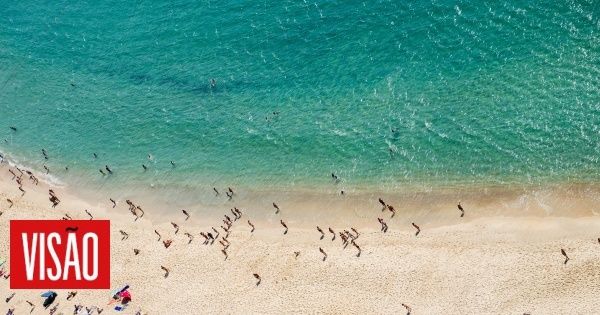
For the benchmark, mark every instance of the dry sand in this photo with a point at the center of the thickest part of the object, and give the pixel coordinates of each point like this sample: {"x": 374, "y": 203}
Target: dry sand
{"x": 479, "y": 264}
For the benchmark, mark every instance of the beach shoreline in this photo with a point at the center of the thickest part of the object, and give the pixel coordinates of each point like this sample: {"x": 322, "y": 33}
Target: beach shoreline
{"x": 484, "y": 263}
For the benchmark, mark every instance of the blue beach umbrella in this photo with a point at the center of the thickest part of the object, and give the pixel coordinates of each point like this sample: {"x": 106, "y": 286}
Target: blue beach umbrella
{"x": 47, "y": 294}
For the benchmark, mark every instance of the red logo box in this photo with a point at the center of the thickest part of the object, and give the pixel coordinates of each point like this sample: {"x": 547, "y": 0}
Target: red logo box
{"x": 59, "y": 254}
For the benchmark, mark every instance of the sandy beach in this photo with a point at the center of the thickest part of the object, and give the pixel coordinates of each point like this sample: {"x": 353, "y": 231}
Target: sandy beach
{"x": 479, "y": 264}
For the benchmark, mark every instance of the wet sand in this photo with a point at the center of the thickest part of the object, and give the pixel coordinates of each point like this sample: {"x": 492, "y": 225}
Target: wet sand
{"x": 489, "y": 262}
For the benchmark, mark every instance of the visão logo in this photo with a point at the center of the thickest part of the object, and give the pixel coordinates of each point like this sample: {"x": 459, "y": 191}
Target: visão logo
{"x": 60, "y": 254}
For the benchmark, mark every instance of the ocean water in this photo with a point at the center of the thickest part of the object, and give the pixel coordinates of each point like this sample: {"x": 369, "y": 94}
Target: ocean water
{"x": 385, "y": 94}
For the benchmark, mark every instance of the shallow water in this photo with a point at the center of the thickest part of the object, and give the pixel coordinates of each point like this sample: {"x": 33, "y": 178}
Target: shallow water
{"x": 480, "y": 94}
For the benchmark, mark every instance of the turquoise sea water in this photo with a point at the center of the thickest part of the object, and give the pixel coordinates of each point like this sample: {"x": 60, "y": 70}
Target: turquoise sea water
{"x": 479, "y": 93}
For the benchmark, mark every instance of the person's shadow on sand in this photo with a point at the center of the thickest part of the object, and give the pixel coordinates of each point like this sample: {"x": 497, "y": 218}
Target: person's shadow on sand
{"x": 417, "y": 234}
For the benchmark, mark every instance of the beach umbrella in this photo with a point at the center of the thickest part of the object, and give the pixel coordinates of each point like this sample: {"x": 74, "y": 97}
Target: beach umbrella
{"x": 47, "y": 294}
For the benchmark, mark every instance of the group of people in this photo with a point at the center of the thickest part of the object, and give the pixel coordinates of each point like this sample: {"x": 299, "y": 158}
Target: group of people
{"x": 347, "y": 237}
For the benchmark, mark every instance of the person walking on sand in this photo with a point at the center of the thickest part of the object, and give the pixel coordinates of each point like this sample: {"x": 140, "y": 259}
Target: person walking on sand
{"x": 344, "y": 238}
{"x": 408, "y": 309}
{"x": 167, "y": 243}
{"x": 321, "y": 231}
{"x": 125, "y": 235}
{"x": 323, "y": 252}
{"x": 136, "y": 251}
{"x": 238, "y": 212}
{"x": 276, "y": 207}
{"x": 564, "y": 254}
{"x": 357, "y": 247}
{"x": 216, "y": 191}
{"x": 234, "y": 214}
{"x": 23, "y": 190}
{"x": 332, "y": 232}
{"x": 461, "y": 209}
{"x": 224, "y": 253}
{"x": 11, "y": 203}
{"x": 187, "y": 215}
{"x": 142, "y": 211}
{"x": 166, "y": 270}
{"x": 392, "y": 210}
{"x": 382, "y": 203}
{"x": 205, "y": 237}
{"x": 252, "y": 225}
{"x": 159, "y": 236}
{"x": 108, "y": 169}
{"x": 257, "y": 277}
{"x": 102, "y": 172}
{"x": 417, "y": 227}
{"x": 176, "y": 227}
{"x": 384, "y": 226}
{"x": 284, "y": 225}
{"x": 355, "y": 231}
{"x": 231, "y": 190}
{"x": 113, "y": 202}
{"x": 88, "y": 213}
